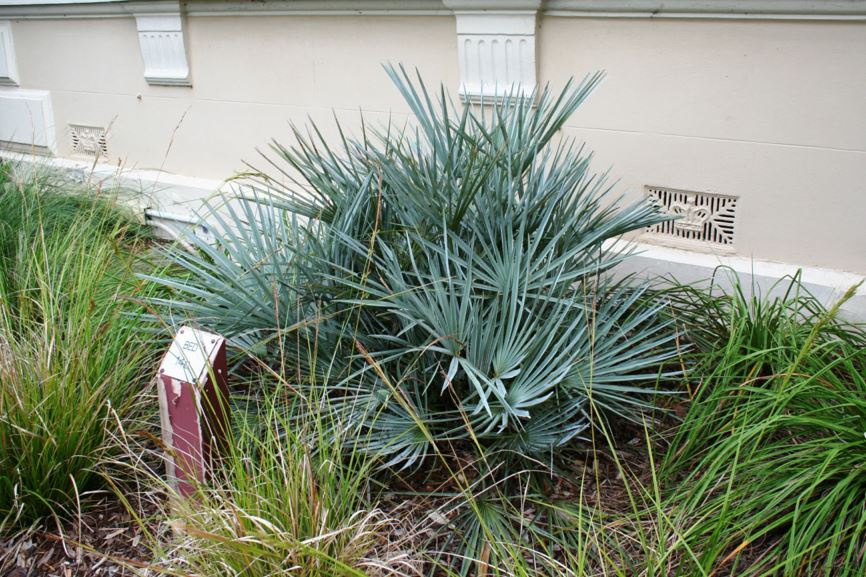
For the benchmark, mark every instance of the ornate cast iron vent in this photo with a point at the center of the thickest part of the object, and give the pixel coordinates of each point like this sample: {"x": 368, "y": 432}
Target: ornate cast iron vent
{"x": 703, "y": 217}
{"x": 89, "y": 141}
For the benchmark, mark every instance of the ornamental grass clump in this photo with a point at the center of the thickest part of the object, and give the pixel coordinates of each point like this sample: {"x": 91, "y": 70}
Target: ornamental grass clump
{"x": 278, "y": 504}
{"x": 766, "y": 471}
{"x": 452, "y": 273}
{"x": 71, "y": 362}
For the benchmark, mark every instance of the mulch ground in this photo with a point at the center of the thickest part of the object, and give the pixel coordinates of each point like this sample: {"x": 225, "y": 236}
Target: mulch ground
{"x": 105, "y": 540}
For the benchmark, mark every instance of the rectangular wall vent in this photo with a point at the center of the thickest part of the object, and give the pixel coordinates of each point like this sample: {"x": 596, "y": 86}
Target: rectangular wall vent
{"x": 89, "y": 141}
{"x": 703, "y": 218}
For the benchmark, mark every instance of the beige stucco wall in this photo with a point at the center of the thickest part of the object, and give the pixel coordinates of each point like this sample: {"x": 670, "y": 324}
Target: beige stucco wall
{"x": 251, "y": 77}
{"x": 770, "y": 111}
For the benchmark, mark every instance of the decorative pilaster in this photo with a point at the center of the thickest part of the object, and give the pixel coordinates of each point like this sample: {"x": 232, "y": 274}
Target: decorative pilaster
{"x": 8, "y": 68}
{"x": 163, "y": 48}
{"x": 496, "y": 47}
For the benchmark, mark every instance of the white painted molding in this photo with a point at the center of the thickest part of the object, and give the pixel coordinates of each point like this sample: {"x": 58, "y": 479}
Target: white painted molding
{"x": 163, "y": 48}
{"x": 725, "y": 9}
{"x": 317, "y": 8}
{"x": 715, "y": 9}
{"x": 42, "y": 9}
{"x": 27, "y": 119}
{"x": 54, "y": 2}
{"x": 114, "y": 8}
{"x": 481, "y": 6}
{"x": 496, "y": 48}
{"x": 8, "y": 68}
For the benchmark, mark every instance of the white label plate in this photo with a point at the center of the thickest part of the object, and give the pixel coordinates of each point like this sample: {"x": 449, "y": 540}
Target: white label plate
{"x": 187, "y": 358}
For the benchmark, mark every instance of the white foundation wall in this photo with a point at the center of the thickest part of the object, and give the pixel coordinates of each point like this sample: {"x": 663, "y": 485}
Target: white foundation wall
{"x": 768, "y": 108}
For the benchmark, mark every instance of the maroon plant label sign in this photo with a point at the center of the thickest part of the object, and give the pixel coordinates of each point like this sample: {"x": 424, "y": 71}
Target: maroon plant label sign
{"x": 193, "y": 406}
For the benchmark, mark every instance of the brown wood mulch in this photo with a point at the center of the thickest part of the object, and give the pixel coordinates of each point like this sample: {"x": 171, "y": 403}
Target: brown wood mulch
{"x": 106, "y": 540}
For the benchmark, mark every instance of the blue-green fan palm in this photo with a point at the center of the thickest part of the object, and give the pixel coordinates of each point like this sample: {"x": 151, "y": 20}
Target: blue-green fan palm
{"x": 454, "y": 271}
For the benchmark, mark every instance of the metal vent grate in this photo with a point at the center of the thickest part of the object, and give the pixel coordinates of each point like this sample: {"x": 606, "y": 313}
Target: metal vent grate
{"x": 89, "y": 140}
{"x": 703, "y": 217}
